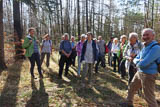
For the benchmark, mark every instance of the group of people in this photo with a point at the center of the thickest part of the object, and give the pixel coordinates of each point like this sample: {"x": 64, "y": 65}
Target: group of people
{"x": 140, "y": 59}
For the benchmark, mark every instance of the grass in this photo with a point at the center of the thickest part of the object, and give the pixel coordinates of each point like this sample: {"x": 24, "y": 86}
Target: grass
{"x": 17, "y": 89}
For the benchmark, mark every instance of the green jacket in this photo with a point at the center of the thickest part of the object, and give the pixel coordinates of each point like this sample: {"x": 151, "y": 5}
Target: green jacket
{"x": 120, "y": 52}
{"x": 29, "y": 46}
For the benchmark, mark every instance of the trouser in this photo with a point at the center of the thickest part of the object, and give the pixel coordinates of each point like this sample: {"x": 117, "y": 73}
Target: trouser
{"x": 115, "y": 60}
{"x": 110, "y": 58}
{"x": 131, "y": 72}
{"x": 147, "y": 83}
{"x": 87, "y": 68}
{"x": 62, "y": 61}
{"x": 79, "y": 65}
{"x": 101, "y": 59}
{"x": 122, "y": 68}
{"x": 35, "y": 58}
{"x": 47, "y": 58}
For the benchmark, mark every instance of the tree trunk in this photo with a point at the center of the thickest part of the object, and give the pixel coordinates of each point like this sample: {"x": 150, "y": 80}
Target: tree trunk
{"x": 61, "y": 17}
{"x": 87, "y": 15}
{"x": 2, "y": 60}
{"x": 78, "y": 17}
{"x": 17, "y": 29}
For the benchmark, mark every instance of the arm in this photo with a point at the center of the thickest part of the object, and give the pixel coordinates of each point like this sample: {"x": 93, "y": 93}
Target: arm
{"x": 125, "y": 54}
{"x": 26, "y": 43}
{"x": 150, "y": 57}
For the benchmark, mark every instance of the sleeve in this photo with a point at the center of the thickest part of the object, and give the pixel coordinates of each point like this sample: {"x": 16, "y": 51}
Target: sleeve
{"x": 137, "y": 59}
{"x": 125, "y": 54}
{"x": 150, "y": 57}
{"x": 26, "y": 43}
{"x": 61, "y": 46}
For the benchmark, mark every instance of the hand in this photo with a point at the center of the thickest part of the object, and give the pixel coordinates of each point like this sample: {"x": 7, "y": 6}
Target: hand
{"x": 37, "y": 41}
{"x": 130, "y": 59}
{"x": 133, "y": 55}
{"x": 83, "y": 62}
{"x": 95, "y": 62}
{"x": 30, "y": 41}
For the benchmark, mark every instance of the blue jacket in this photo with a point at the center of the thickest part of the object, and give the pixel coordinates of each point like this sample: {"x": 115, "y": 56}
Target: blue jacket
{"x": 95, "y": 51}
{"x": 148, "y": 55}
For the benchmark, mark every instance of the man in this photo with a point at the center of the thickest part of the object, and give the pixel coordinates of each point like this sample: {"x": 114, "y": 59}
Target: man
{"x": 88, "y": 57}
{"x": 101, "y": 55}
{"x": 79, "y": 51}
{"x": 147, "y": 70}
{"x": 32, "y": 51}
{"x": 66, "y": 50}
{"x": 109, "y": 45}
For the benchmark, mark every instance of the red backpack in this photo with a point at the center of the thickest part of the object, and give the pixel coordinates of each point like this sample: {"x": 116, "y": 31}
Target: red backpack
{"x": 106, "y": 49}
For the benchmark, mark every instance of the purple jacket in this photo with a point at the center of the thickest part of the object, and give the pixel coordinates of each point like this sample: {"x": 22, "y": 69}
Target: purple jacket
{"x": 79, "y": 48}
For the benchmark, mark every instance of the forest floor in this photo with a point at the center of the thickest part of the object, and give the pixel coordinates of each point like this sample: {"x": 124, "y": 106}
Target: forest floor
{"x": 17, "y": 89}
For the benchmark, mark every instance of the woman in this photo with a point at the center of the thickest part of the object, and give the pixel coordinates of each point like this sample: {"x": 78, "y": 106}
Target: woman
{"x": 115, "y": 48}
{"x": 46, "y": 49}
{"x": 122, "y": 60}
{"x": 130, "y": 52}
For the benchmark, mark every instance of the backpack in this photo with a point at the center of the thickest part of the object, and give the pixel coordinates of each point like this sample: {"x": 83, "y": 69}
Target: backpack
{"x": 158, "y": 64}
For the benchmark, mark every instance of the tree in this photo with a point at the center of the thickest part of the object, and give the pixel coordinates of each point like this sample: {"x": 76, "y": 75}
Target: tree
{"x": 78, "y": 17}
{"x": 2, "y": 60}
{"x": 17, "y": 29}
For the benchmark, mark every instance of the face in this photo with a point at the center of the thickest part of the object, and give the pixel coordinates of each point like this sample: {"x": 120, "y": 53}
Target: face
{"x": 47, "y": 38}
{"x": 83, "y": 38}
{"x": 100, "y": 38}
{"x": 66, "y": 37}
{"x": 116, "y": 41}
{"x": 147, "y": 36}
{"x": 123, "y": 40}
{"x": 133, "y": 40}
{"x": 32, "y": 32}
{"x": 72, "y": 39}
{"x": 89, "y": 36}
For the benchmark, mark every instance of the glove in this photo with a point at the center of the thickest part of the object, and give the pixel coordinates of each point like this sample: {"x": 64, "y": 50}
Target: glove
{"x": 95, "y": 62}
{"x": 83, "y": 62}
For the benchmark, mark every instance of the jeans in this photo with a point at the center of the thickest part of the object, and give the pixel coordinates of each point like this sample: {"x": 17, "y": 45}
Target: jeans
{"x": 131, "y": 73}
{"x": 122, "y": 68}
{"x": 115, "y": 60}
{"x": 79, "y": 65}
{"x": 35, "y": 58}
{"x": 62, "y": 61}
{"x": 101, "y": 59}
{"x": 47, "y": 58}
{"x": 87, "y": 69}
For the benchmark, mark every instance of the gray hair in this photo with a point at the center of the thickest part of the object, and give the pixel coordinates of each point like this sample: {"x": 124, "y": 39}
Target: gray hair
{"x": 72, "y": 37}
{"x": 66, "y": 34}
{"x": 133, "y": 34}
{"x": 115, "y": 40}
{"x": 148, "y": 29}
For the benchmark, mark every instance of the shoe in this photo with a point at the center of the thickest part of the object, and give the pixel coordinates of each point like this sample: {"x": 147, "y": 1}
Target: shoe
{"x": 125, "y": 104}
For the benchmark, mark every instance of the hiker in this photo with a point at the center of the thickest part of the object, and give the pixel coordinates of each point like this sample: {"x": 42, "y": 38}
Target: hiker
{"x": 88, "y": 57}
{"x": 121, "y": 58}
{"x": 114, "y": 50}
{"x": 66, "y": 50}
{"x": 46, "y": 49}
{"x": 32, "y": 51}
{"x": 74, "y": 53}
{"x": 101, "y": 54}
{"x": 132, "y": 49}
{"x": 109, "y": 46}
{"x": 146, "y": 61}
{"x": 79, "y": 50}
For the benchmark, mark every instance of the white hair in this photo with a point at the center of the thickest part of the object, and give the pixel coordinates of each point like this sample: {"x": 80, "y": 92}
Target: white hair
{"x": 123, "y": 36}
{"x": 133, "y": 34}
{"x": 148, "y": 29}
{"x": 72, "y": 37}
{"x": 66, "y": 34}
{"x": 83, "y": 35}
{"x": 115, "y": 40}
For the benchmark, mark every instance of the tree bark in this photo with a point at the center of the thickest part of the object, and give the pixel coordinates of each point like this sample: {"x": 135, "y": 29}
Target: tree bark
{"x": 2, "y": 59}
{"x": 78, "y": 17}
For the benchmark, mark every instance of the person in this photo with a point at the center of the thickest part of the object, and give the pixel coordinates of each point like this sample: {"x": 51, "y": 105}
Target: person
{"x": 132, "y": 49}
{"x": 32, "y": 51}
{"x": 109, "y": 45}
{"x": 46, "y": 49}
{"x": 114, "y": 50}
{"x": 121, "y": 58}
{"x": 79, "y": 50}
{"x": 147, "y": 70}
{"x": 88, "y": 57}
{"x": 74, "y": 53}
{"x": 101, "y": 54}
{"x": 66, "y": 50}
